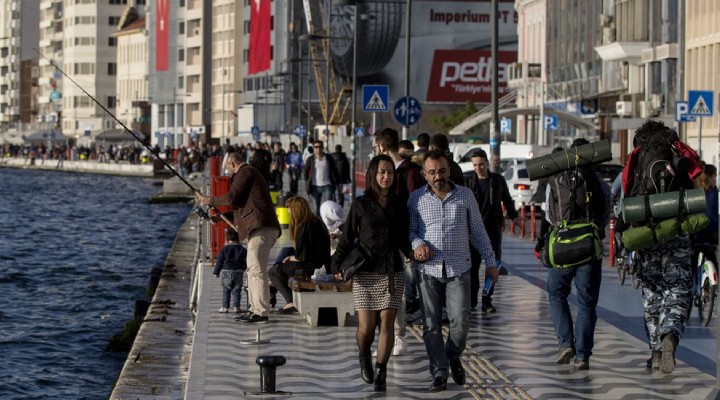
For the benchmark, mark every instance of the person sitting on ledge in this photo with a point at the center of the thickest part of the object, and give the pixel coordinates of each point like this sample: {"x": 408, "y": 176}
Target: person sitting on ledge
{"x": 311, "y": 249}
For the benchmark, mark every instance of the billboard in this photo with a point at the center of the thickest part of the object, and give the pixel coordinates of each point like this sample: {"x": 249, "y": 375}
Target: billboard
{"x": 450, "y": 43}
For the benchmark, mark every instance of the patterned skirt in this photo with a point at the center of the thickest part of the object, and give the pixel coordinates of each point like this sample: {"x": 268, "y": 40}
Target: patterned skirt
{"x": 371, "y": 291}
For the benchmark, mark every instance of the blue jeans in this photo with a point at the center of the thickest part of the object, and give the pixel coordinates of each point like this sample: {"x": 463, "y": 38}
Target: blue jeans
{"x": 454, "y": 293}
{"x": 231, "y": 281}
{"x": 587, "y": 284}
{"x": 321, "y": 194}
{"x": 412, "y": 281}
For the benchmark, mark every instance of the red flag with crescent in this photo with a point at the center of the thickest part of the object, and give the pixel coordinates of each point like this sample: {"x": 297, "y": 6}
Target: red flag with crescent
{"x": 259, "y": 52}
{"x": 161, "y": 34}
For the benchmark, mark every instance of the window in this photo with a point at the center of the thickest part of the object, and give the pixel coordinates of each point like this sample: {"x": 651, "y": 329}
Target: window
{"x": 112, "y": 68}
{"x": 118, "y": 2}
{"x": 111, "y": 100}
{"x": 181, "y": 27}
{"x": 113, "y": 21}
{"x": 181, "y": 82}
{"x": 181, "y": 54}
{"x": 83, "y": 68}
{"x": 112, "y": 41}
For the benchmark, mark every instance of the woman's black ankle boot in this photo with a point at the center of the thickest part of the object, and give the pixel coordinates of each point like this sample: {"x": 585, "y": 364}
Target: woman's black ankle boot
{"x": 380, "y": 377}
{"x": 366, "y": 369}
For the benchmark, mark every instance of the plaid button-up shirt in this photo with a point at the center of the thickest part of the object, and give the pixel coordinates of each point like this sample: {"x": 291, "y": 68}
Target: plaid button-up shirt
{"x": 448, "y": 227}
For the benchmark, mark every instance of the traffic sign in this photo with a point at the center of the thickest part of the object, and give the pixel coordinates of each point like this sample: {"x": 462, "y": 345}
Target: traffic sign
{"x": 300, "y": 131}
{"x": 407, "y": 111}
{"x": 375, "y": 98}
{"x": 551, "y": 122}
{"x": 506, "y": 126}
{"x": 701, "y": 102}
{"x": 255, "y": 130}
{"x": 681, "y": 112}
{"x": 359, "y": 131}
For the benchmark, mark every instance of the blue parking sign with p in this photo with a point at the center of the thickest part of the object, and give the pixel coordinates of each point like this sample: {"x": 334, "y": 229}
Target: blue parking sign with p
{"x": 682, "y": 112}
{"x": 505, "y": 125}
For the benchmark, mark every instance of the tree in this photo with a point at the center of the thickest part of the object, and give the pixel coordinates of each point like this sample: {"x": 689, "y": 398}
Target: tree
{"x": 453, "y": 119}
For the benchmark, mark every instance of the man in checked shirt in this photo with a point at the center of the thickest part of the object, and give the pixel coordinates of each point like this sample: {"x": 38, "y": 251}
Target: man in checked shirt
{"x": 444, "y": 222}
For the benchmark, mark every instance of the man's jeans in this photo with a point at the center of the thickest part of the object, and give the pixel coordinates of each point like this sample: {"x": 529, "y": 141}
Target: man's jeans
{"x": 587, "y": 283}
{"x": 321, "y": 194}
{"x": 455, "y": 294}
{"x": 231, "y": 281}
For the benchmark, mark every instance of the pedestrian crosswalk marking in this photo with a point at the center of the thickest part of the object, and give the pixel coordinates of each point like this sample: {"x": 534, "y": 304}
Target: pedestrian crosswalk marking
{"x": 376, "y": 102}
{"x": 701, "y": 107}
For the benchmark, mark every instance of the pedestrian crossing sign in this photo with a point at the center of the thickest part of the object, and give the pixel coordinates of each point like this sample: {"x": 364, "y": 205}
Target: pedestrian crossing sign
{"x": 701, "y": 103}
{"x": 375, "y": 98}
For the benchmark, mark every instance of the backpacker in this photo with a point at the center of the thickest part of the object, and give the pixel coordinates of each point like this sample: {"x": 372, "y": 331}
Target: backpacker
{"x": 659, "y": 167}
{"x": 575, "y": 238}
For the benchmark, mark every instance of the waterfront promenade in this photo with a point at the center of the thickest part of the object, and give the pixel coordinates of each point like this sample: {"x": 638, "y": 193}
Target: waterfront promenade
{"x": 123, "y": 168}
{"x": 510, "y": 354}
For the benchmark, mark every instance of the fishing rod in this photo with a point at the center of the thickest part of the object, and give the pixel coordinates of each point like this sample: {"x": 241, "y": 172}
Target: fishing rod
{"x": 197, "y": 210}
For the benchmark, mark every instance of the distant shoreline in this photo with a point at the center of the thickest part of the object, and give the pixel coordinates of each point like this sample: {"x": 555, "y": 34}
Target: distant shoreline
{"x": 93, "y": 167}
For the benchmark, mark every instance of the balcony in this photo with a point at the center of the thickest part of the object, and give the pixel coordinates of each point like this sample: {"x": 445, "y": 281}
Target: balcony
{"x": 622, "y": 51}
{"x": 522, "y": 73}
{"x": 659, "y": 53}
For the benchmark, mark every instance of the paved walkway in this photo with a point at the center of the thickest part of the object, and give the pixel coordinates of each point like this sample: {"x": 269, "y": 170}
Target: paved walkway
{"x": 509, "y": 355}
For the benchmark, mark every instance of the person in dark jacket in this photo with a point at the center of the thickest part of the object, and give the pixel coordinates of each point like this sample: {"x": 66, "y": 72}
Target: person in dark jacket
{"x": 277, "y": 167}
{"x": 255, "y": 220}
{"x": 232, "y": 263}
{"x": 311, "y": 249}
{"x": 321, "y": 175}
{"x": 262, "y": 160}
{"x": 343, "y": 169}
{"x": 491, "y": 193}
{"x": 378, "y": 221}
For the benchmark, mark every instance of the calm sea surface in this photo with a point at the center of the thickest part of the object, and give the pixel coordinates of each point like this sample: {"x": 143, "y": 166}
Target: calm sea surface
{"x": 75, "y": 253}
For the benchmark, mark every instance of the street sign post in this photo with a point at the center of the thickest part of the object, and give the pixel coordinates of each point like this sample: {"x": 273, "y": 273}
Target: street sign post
{"x": 255, "y": 130}
{"x": 551, "y": 122}
{"x": 300, "y": 131}
{"x": 359, "y": 131}
{"x": 682, "y": 112}
{"x": 701, "y": 103}
{"x": 505, "y": 126}
{"x": 375, "y": 98}
{"x": 407, "y": 111}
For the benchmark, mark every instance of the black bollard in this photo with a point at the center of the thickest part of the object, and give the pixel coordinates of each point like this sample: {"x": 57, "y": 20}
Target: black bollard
{"x": 268, "y": 364}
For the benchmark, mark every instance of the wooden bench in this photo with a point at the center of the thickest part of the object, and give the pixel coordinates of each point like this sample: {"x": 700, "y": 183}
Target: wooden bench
{"x": 309, "y": 296}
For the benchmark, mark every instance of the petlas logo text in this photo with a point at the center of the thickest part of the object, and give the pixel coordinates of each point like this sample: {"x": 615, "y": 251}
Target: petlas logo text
{"x": 466, "y": 75}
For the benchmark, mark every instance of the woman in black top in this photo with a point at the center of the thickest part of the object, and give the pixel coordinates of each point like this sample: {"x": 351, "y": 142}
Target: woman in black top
{"x": 378, "y": 221}
{"x": 311, "y": 250}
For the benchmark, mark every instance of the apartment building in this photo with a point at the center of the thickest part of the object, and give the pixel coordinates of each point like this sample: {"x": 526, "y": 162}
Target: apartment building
{"x": 50, "y": 81}
{"x": 133, "y": 104}
{"x": 702, "y": 72}
{"x": 18, "y": 36}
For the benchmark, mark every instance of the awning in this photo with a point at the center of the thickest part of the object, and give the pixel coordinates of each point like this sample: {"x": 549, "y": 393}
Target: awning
{"x": 44, "y": 137}
{"x": 117, "y": 135}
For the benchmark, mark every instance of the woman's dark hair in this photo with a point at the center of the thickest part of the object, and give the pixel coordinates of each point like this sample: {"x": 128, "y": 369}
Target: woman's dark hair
{"x": 372, "y": 188}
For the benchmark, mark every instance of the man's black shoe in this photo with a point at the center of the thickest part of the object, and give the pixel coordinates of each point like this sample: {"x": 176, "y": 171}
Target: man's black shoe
{"x": 438, "y": 385}
{"x": 457, "y": 371}
{"x": 253, "y": 318}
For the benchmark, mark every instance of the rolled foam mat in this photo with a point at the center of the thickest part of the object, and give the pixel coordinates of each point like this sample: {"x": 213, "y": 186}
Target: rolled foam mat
{"x": 591, "y": 153}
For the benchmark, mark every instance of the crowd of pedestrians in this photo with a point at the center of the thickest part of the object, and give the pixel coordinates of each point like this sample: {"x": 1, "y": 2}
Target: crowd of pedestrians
{"x": 426, "y": 230}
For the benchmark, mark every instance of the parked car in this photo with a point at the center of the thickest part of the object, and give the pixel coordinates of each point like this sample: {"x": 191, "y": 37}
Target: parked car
{"x": 519, "y": 185}
{"x": 465, "y": 161}
{"x": 608, "y": 171}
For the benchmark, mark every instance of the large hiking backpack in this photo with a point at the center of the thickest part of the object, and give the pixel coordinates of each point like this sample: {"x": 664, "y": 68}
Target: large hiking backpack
{"x": 574, "y": 239}
{"x": 659, "y": 167}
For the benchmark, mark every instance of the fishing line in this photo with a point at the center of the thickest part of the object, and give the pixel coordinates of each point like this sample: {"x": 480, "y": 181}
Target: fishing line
{"x": 198, "y": 210}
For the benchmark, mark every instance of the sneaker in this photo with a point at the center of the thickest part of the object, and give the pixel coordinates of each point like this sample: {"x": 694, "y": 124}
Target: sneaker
{"x": 489, "y": 308}
{"x": 400, "y": 346}
{"x": 252, "y": 318}
{"x": 238, "y": 310}
{"x": 582, "y": 365}
{"x": 223, "y": 310}
{"x": 565, "y": 355}
{"x": 667, "y": 359}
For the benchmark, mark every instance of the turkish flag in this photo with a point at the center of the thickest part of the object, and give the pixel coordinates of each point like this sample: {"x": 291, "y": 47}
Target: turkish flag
{"x": 161, "y": 34}
{"x": 259, "y": 52}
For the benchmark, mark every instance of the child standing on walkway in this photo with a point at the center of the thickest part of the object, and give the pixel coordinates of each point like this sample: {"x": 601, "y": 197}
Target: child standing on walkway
{"x": 232, "y": 261}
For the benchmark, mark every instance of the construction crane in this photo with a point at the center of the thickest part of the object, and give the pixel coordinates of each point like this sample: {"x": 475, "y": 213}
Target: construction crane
{"x": 334, "y": 108}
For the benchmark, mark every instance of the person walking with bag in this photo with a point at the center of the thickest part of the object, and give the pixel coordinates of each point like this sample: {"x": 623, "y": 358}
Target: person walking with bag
{"x": 377, "y": 221}
{"x": 575, "y": 195}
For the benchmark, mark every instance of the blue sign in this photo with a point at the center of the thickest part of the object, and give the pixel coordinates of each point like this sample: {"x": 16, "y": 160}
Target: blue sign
{"x": 506, "y": 126}
{"x": 255, "y": 130}
{"x": 407, "y": 111}
{"x": 375, "y": 98}
{"x": 359, "y": 131}
{"x": 701, "y": 102}
{"x": 681, "y": 112}
{"x": 493, "y": 142}
{"x": 551, "y": 122}
{"x": 300, "y": 131}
